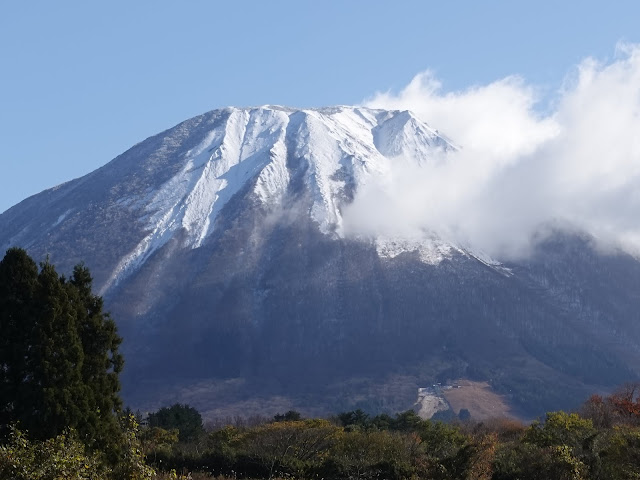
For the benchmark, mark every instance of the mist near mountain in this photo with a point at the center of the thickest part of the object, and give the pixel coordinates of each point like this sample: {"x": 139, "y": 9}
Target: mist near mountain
{"x": 255, "y": 263}
{"x": 523, "y": 169}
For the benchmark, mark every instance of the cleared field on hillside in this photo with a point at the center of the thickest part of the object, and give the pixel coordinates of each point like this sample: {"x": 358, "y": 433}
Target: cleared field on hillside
{"x": 477, "y": 397}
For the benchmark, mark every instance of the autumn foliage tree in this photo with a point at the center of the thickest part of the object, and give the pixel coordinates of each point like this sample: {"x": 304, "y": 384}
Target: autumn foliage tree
{"x": 620, "y": 408}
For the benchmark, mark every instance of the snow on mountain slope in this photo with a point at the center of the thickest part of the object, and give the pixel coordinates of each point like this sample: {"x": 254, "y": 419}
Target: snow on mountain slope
{"x": 339, "y": 148}
{"x": 174, "y": 186}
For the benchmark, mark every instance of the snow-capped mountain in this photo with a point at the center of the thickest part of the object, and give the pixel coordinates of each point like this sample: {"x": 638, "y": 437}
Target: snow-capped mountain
{"x": 221, "y": 249}
{"x": 185, "y": 177}
{"x": 263, "y": 149}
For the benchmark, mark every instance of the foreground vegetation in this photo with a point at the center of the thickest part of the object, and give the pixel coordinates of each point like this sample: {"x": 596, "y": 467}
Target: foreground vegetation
{"x": 602, "y": 441}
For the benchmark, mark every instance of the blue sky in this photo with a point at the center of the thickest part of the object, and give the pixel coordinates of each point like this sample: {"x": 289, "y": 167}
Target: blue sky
{"x": 83, "y": 81}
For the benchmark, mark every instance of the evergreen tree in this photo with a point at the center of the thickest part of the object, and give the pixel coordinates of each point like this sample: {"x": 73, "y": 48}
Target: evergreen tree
{"x": 59, "y": 360}
{"x": 290, "y": 416}
{"x": 101, "y": 363}
{"x": 186, "y": 419}
{"x": 18, "y": 283}
{"x": 56, "y": 361}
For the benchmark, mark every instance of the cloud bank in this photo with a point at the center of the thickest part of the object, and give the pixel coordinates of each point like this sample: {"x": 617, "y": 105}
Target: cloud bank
{"x": 576, "y": 166}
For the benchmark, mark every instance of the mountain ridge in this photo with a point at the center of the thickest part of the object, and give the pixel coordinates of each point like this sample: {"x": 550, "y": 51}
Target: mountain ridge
{"x": 256, "y": 138}
{"x": 220, "y": 247}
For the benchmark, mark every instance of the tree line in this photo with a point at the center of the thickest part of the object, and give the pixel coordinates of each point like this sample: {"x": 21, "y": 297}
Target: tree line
{"x": 600, "y": 441}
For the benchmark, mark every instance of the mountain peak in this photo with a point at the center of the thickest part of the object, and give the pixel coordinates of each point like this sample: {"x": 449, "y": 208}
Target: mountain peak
{"x": 226, "y": 238}
{"x": 176, "y": 185}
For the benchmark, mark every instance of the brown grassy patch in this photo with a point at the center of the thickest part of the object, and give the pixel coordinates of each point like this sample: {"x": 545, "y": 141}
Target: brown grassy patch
{"x": 477, "y": 397}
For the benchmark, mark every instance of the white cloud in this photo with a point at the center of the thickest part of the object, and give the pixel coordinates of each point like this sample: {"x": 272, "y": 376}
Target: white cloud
{"x": 518, "y": 170}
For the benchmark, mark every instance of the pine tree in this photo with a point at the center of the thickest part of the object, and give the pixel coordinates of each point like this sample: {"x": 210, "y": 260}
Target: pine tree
{"x": 18, "y": 283}
{"x": 56, "y": 360}
{"x": 59, "y": 360}
{"x": 102, "y": 363}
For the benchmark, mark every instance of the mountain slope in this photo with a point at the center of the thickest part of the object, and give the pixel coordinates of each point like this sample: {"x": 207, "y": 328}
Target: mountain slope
{"x": 220, "y": 248}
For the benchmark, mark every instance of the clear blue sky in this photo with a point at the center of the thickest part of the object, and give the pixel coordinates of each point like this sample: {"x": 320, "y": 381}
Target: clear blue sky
{"x": 81, "y": 82}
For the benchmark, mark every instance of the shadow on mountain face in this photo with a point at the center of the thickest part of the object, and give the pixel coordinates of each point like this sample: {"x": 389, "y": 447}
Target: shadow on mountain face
{"x": 293, "y": 312}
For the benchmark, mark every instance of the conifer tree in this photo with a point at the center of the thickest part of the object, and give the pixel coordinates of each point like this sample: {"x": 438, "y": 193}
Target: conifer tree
{"x": 56, "y": 360}
{"x": 59, "y": 360}
{"x": 101, "y": 363}
{"x": 18, "y": 283}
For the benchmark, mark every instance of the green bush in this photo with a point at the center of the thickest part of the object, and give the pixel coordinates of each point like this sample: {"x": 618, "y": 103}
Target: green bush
{"x": 62, "y": 457}
{"x": 65, "y": 457}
